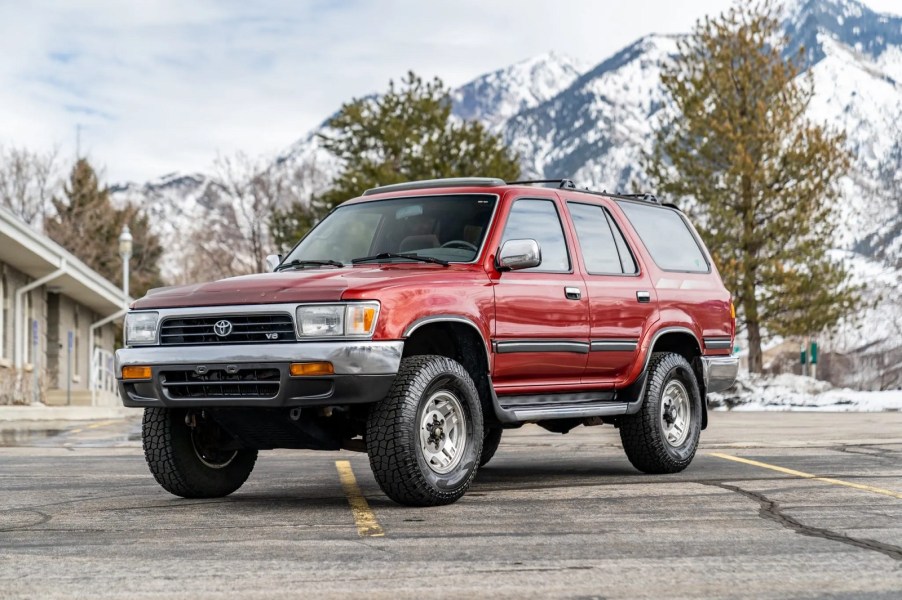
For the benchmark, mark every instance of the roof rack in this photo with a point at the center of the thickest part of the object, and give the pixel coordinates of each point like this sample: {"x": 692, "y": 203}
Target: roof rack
{"x": 567, "y": 184}
{"x": 645, "y": 197}
{"x": 434, "y": 183}
{"x": 562, "y": 183}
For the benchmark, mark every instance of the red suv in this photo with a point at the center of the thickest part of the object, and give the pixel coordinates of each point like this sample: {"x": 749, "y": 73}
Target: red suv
{"x": 419, "y": 321}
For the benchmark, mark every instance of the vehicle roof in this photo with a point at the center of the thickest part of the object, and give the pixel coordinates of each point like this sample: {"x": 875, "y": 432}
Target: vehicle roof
{"x": 470, "y": 185}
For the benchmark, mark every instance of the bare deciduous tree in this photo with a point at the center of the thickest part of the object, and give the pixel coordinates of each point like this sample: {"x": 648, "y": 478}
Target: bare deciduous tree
{"x": 28, "y": 181}
{"x": 234, "y": 236}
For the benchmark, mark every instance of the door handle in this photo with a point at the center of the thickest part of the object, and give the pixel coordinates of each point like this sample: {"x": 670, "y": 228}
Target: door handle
{"x": 643, "y": 296}
{"x": 572, "y": 293}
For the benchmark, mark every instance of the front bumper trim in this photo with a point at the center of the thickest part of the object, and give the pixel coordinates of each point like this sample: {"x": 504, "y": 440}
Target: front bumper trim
{"x": 364, "y": 373}
{"x": 347, "y": 357}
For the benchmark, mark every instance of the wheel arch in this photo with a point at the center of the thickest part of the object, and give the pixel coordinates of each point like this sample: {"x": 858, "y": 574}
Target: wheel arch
{"x": 682, "y": 341}
{"x": 460, "y": 339}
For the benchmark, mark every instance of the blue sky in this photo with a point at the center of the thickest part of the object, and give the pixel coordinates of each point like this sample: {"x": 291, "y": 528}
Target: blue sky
{"x": 163, "y": 85}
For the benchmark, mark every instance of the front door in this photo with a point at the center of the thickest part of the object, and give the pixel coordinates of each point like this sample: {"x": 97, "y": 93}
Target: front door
{"x": 541, "y": 328}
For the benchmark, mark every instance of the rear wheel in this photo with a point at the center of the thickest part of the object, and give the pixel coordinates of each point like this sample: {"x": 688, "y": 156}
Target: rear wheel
{"x": 663, "y": 436}
{"x": 191, "y": 456}
{"x": 424, "y": 439}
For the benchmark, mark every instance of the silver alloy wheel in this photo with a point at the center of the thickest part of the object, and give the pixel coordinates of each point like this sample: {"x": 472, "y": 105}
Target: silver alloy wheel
{"x": 676, "y": 413}
{"x": 443, "y": 432}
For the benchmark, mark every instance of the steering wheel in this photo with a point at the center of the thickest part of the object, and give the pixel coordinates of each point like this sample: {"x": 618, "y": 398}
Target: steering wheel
{"x": 460, "y": 244}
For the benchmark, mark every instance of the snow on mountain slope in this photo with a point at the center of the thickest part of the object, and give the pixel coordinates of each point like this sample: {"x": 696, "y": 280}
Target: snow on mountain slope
{"x": 495, "y": 97}
{"x": 594, "y": 131}
{"x": 174, "y": 204}
{"x": 492, "y": 98}
{"x": 853, "y": 95}
{"x": 847, "y": 21}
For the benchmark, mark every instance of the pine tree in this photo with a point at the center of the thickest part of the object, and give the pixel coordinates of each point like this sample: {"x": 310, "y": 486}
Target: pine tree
{"x": 88, "y": 226}
{"x": 403, "y": 135}
{"x": 760, "y": 178}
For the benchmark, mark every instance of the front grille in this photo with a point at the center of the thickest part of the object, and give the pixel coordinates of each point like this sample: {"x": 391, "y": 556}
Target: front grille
{"x": 245, "y": 329}
{"x": 216, "y": 383}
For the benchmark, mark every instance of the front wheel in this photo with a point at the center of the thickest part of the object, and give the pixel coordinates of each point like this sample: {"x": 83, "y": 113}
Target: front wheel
{"x": 424, "y": 439}
{"x": 490, "y": 443}
{"x": 190, "y": 455}
{"x": 663, "y": 436}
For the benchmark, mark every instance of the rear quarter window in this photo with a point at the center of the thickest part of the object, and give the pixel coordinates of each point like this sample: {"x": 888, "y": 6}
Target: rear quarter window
{"x": 667, "y": 237}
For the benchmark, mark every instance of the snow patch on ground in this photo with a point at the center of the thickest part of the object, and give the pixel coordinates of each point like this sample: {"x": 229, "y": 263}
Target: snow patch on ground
{"x": 797, "y": 393}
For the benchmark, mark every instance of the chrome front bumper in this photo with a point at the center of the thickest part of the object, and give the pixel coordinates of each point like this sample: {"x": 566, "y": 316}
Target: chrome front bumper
{"x": 363, "y": 373}
{"x": 719, "y": 372}
{"x": 347, "y": 357}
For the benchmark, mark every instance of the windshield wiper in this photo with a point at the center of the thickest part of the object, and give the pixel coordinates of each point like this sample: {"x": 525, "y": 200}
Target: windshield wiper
{"x": 385, "y": 255}
{"x": 310, "y": 263}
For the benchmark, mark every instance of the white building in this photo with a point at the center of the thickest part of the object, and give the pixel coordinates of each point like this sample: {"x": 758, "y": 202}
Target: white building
{"x": 57, "y": 331}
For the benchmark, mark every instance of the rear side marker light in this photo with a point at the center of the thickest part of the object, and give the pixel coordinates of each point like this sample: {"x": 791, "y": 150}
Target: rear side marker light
{"x": 136, "y": 372}
{"x": 308, "y": 369}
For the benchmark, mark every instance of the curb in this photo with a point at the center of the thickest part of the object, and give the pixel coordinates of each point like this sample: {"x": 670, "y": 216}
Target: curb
{"x": 65, "y": 413}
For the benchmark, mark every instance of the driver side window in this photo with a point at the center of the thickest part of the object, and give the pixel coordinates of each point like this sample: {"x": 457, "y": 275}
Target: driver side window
{"x": 539, "y": 220}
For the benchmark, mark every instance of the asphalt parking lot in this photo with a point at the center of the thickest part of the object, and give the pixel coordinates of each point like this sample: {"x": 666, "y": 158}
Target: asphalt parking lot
{"x": 814, "y": 512}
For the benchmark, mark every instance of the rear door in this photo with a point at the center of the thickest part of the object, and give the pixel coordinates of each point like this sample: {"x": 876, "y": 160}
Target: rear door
{"x": 622, "y": 300}
{"x": 541, "y": 327}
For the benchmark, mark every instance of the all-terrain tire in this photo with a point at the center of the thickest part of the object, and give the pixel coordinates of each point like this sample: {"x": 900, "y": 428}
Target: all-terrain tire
{"x": 643, "y": 434}
{"x": 176, "y": 464}
{"x": 393, "y": 433}
{"x": 490, "y": 443}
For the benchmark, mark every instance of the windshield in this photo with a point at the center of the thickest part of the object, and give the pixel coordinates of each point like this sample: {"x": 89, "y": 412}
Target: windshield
{"x": 449, "y": 228}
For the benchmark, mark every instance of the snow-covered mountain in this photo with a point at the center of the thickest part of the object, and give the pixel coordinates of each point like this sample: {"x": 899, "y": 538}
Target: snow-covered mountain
{"x": 174, "y": 202}
{"x": 495, "y": 97}
{"x": 592, "y": 124}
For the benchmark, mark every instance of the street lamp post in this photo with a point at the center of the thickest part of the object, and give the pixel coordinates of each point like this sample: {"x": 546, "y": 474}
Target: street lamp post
{"x": 125, "y": 251}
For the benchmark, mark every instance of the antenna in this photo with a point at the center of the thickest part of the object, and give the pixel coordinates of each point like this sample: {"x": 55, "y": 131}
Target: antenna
{"x": 77, "y": 141}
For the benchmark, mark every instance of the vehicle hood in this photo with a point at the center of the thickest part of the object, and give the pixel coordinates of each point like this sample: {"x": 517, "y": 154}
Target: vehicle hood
{"x": 310, "y": 285}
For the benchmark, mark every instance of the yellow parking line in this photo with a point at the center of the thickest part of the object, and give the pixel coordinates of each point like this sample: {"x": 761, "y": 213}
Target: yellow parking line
{"x": 857, "y": 486}
{"x": 364, "y": 518}
{"x": 101, "y": 424}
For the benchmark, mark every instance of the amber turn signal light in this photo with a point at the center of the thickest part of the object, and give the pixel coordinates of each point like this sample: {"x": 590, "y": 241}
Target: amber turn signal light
{"x": 136, "y": 372}
{"x": 308, "y": 369}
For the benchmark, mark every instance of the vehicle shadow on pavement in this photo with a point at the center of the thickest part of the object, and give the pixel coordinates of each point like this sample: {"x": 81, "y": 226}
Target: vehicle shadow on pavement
{"x": 557, "y": 475}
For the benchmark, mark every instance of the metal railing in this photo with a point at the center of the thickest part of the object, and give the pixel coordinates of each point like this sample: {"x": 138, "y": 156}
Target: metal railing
{"x": 102, "y": 375}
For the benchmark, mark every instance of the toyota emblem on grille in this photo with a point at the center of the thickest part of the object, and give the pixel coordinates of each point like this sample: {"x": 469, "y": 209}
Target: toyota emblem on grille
{"x": 222, "y": 328}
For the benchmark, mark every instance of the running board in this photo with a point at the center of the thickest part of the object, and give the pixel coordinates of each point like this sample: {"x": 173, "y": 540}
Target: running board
{"x": 568, "y": 412}
{"x": 541, "y": 407}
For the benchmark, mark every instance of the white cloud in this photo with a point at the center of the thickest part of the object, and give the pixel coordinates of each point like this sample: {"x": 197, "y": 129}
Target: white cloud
{"x": 161, "y": 86}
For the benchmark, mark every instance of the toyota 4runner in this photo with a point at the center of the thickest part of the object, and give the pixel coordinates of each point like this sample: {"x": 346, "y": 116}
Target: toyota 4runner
{"x": 419, "y": 321}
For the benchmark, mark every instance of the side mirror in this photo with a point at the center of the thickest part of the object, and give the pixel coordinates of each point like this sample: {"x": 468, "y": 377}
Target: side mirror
{"x": 518, "y": 254}
{"x": 272, "y": 261}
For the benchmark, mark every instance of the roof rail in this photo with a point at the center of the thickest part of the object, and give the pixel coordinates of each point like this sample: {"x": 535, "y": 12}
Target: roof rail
{"x": 644, "y": 197}
{"x": 568, "y": 184}
{"x": 562, "y": 183}
{"x": 433, "y": 183}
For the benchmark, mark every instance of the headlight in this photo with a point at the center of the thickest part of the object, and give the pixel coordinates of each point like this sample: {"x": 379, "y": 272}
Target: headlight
{"x": 141, "y": 328}
{"x": 343, "y": 320}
